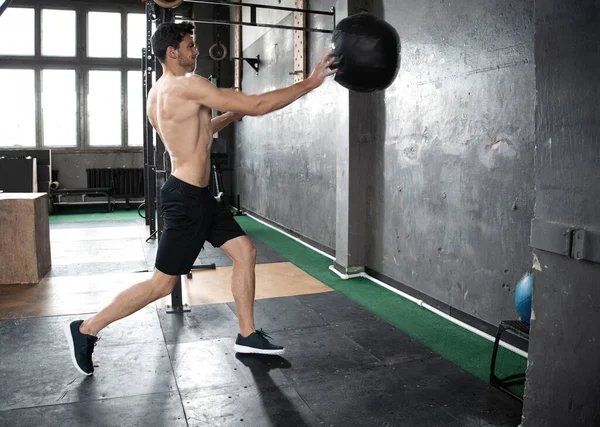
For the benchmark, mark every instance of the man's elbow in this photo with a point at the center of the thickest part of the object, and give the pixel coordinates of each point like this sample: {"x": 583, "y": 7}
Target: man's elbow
{"x": 258, "y": 107}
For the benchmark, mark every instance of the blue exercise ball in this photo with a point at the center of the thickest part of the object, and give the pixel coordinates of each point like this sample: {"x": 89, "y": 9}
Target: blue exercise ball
{"x": 523, "y": 295}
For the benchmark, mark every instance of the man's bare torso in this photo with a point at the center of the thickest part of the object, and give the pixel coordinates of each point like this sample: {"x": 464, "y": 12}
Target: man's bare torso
{"x": 184, "y": 127}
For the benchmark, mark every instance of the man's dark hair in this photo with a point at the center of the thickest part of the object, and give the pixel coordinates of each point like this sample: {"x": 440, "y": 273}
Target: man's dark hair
{"x": 169, "y": 34}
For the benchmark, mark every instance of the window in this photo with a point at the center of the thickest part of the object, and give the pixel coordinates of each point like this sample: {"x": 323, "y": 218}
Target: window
{"x": 104, "y": 35}
{"x": 17, "y": 112}
{"x": 59, "y": 108}
{"x": 104, "y": 108}
{"x": 58, "y": 32}
{"x": 136, "y": 34}
{"x": 70, "y": 75}
{"x": 135, "y": 116}
{"x": 19, "y": 21}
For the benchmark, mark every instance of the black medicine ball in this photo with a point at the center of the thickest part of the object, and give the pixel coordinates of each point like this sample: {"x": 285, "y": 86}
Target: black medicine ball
{"x": 367, "y": 51}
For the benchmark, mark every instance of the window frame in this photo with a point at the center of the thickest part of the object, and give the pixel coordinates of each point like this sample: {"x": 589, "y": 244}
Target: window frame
{"x": 82, "y": 64}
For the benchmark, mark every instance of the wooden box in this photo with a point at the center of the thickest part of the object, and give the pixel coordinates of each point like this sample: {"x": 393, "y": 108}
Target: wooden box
{"x": 24, "y": 238}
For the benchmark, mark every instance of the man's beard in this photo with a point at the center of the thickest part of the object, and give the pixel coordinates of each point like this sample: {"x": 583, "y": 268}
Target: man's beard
{"x": 188, "y": 65}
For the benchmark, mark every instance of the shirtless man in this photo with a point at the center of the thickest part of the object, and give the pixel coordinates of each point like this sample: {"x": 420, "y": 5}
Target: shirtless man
{"x": 180, "y": 109}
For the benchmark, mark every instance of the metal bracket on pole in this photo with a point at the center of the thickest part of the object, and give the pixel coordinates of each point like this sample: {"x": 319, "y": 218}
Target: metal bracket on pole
{"x": 254, "y": 62}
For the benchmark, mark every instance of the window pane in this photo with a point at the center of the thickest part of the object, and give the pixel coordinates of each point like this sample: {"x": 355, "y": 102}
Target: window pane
{"x": 104, "y": 35}
{"x": 59, "y": 108}
{"x": 104, "y": 108}
{"x": 58, "y": 32}
{"x": 19, "y": 21}
{"x": 135, "y": 118}
{"x": 17, "y": 117}
{"x": 136, "y": 34}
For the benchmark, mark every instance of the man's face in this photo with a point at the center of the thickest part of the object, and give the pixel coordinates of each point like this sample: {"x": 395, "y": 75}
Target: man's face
{"x": 187, "y": 54}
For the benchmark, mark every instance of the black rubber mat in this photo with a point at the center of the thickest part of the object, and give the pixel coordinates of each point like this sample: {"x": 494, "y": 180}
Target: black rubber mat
{"x": 342, "y": 367}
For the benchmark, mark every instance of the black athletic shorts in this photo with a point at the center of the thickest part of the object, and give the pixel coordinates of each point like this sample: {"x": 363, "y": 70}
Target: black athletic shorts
{"x": 191, "y": 217}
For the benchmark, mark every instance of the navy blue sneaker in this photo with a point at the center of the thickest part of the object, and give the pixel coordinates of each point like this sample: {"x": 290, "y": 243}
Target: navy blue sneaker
{"x": 81, "y": 347}
{"x": 257, "y": 343}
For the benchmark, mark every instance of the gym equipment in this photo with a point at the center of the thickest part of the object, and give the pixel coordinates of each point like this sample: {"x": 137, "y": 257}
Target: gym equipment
{"x": 156, "y": 167}
{"x": 217, "y": 51}
{"x": 519, "y": 329}
{"x": 367, "y": 51}
{"x": 168, "y": 4}
{"x": 523, "y": 294}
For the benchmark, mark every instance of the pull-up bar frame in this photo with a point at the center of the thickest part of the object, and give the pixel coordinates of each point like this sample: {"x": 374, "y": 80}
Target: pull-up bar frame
{"x": 257, "y": 24}
{"x": 253, "y": 23}
{"x": 263, "y": 6}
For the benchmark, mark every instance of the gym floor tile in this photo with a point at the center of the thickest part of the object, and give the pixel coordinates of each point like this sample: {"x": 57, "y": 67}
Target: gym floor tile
{"x": 91, "y": 257}
{"x": 474, "y": 402}
{"x": 263, "y": 370}
{"x": 90, "y": 251}
{"x": 335, "y": 307}
{"x": 206, "y": 365}
{"x": 277, "y": 314}
{"x": 212, "y": 286}
{"x": 201, "y": 323}
{"x": 36, "y": 369}
{"x": 160, "y": 409}
{"x": 385, "y": 342}
{"x": 67, "y": 295}
{"x": 370, "y": 397}
{"x": 318, "y": 351}
{"x": 264, "y": 406}
{"x": 85, "y": 231}
{"x": 94, "y": 268}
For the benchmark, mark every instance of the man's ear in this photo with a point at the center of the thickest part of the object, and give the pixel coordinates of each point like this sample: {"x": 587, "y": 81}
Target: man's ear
{"x": 172, "y": 52}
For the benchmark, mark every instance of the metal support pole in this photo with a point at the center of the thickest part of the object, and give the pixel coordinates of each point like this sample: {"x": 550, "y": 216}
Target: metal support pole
{"x": 4, "y": 6}
{"x": 149, "y": 165}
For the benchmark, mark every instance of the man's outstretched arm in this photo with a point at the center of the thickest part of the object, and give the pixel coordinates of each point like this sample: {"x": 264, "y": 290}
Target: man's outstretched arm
{"x": 203, "y": 92}
{"x": 224, "y": 120}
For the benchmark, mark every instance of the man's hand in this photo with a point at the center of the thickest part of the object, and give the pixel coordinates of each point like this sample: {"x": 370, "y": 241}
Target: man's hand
{"x": 322, "y": 70}
{"x": 224, "y": 120}
{"x": 236, "y": 117}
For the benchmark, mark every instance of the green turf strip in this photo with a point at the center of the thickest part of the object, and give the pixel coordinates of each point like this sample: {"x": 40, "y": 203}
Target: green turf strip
{"x": 469, "y": 351}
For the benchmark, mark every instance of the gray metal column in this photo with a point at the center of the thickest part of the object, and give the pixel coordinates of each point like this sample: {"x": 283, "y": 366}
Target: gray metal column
{"x": 563, "y": 377}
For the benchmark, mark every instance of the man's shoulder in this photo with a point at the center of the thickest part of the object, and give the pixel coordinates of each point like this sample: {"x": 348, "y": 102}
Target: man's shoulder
{"x": 193, "y": 79}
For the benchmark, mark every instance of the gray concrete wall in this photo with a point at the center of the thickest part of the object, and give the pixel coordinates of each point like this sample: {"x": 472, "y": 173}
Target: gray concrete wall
{"x": 563, "y": 378}
{"x": 450, "y": 194}
{"x": 452, "y": 187}
{"x": 285, "y": 161}
{"x": 72, "y": 166}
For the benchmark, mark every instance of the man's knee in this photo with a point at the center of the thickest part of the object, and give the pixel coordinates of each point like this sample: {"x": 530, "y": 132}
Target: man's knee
{"x": 162, "y": 284}
{"x": 249, "y": 252}
{"x": 246, "y": 252}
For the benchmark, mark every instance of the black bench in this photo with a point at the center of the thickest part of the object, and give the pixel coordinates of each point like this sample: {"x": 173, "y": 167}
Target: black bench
{"x": 106, "y": 192}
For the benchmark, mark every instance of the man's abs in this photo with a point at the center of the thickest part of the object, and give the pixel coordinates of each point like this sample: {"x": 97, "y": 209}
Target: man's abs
{"x": 185, "y": 129}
